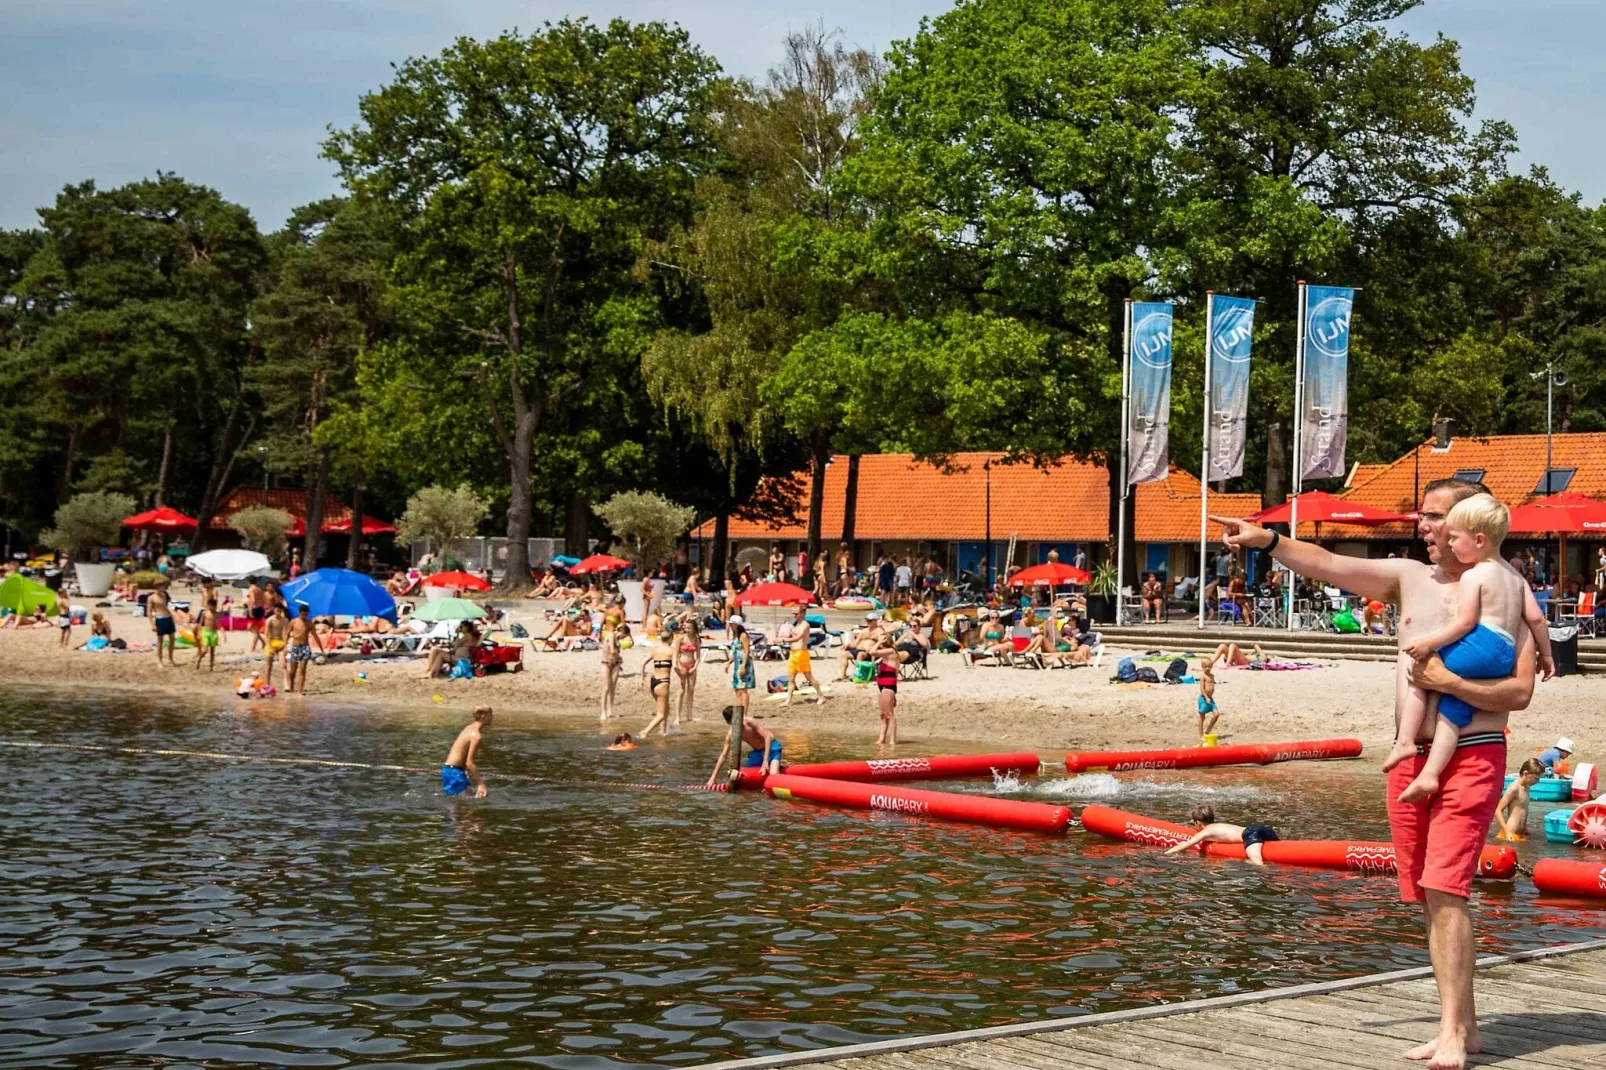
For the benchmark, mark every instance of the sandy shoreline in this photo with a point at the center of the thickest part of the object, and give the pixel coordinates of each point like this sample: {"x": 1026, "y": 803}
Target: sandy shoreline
{"x": 990, "y": 707}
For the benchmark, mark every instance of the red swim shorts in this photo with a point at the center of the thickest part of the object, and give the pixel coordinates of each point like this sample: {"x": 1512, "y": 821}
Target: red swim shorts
{"x": 1437, "y": 841}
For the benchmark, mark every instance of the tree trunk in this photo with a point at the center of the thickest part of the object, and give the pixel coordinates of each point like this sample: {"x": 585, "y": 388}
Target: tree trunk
{"x": 822, "y": 457}
{"x": 850, "y": 507}
{"x": 719, "y": 557}
{"x": 577, "y": 525}
{"x": 354, "y": 544}
{"x": 516, "y": 580}
{"x": 166, "y": 470}
{"x": 1275, "y": 491}
{"x": 316, "y": 495}
{"x": 217, "y": 478}
{"x": 65, "y": 491}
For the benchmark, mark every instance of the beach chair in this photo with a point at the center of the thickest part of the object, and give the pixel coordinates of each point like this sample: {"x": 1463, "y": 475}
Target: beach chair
{"x": 1581, "y": 614}
{"x": 1129, "y": 608}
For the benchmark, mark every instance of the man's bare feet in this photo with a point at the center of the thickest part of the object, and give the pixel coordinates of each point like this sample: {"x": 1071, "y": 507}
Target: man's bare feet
{"x": 1397, "y": 754}
{"x": 1419, "y": 789}
{"x": 1443, "y": 1053}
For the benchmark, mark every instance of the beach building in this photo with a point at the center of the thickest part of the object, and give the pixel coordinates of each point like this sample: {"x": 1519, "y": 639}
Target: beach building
{"x": 910, "y": 508}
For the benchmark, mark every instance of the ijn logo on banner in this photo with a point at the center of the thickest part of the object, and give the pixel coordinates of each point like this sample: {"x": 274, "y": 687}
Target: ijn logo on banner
{"x": 1324, "y": 423}
{"x": 1232, "y": 333}
{"x": 1148, "y": 448}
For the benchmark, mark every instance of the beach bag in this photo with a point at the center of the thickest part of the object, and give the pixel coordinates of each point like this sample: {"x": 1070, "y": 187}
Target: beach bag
{"x": 1176, "y": 671}
{"x": 863, "y": 672}
{"x": 519, "y": 631}
{"x": 1127, "y": 671}
{"x": 1344, "y": 621}
{"x": 1147, "y": 675}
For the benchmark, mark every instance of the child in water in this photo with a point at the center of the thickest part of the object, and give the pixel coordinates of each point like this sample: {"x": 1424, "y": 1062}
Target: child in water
{"x": 460, "y": 765}
{"x": 1479, "y": 644}
{"x": 1512, "y": 811}
{"x": 1213, "y": 831}
{"x": 622, "y": 742}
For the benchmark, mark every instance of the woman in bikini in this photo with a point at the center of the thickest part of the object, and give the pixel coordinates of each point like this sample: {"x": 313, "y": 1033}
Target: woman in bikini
{"x": 992, "y": 642}
{"x": 688, "y": 654}
{"x": 612, "y": 662}
{"x": 886, "y": 685}
{"x": 660, "y": 662}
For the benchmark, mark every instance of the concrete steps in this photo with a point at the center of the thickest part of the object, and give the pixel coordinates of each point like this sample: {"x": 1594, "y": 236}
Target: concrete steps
{"x": 1298, "y": 645}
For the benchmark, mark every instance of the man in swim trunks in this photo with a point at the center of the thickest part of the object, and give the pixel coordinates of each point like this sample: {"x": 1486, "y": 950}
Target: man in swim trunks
{"x": 766, "y": 752}
{"x": 798, "y": 663}
{"x": 460, "y": 765}
{"x": 277, "y": 632}
{"x": 1213, "y": 831}
{"x": 299, "y": 653}
{"x": 1437, "y": 840}
{"x": 256, "y": 599}
{"x": 162, "y": 623}
{"x": 206, "y": 637}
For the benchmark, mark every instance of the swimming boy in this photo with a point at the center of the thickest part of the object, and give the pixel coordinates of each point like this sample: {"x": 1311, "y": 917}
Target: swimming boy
{"x": 299, "y": 653}
{"x": 1207, "y": 697}
{"x": 460, "y": 765}
{"x": 1479, "y": 643}
{"x": 206, "y": 637}
{"x": 1512, "y": 811}
{"x": 766, "y": 752}
{"x": 1213, "y": 831}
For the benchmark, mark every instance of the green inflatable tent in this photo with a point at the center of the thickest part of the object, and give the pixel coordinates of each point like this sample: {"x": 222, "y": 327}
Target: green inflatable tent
{"x": 19, "y": 594}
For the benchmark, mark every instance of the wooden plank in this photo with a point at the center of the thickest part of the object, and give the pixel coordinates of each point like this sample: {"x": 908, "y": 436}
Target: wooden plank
{"x": 1503, "y": 998}
{"x": 1078, "y": 1054}
{"x": 1546, "y": 977}
{"x": 1585, "y": 1031}
{"x": 1222, "y": 1035}
{"x": 1135, "y": 1050}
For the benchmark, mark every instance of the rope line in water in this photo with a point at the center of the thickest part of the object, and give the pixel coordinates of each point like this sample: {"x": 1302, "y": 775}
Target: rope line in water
{"x": 166, "y": 752}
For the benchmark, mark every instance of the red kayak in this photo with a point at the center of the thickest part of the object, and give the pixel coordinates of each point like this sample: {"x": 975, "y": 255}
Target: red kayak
{"x": 1116, "y": 761}
{"x": 940, "y": 767}
{"x": 949, "y": 806}
{"x": 1361, "y": 856}
{"x": 1560, "y": 876}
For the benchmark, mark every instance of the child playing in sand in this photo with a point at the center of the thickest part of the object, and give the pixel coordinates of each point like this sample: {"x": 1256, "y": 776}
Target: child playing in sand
{"x": 1512, "y": 811}
{"x": 460, "y": 765}
{"x": 1479, "y": 644}
{"x": 1207, "y": 697}
{"x": 1213, "y": 831}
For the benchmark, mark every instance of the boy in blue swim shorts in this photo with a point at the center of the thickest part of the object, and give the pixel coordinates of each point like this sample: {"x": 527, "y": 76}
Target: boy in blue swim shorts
{"x": 766, "y": 749}
{"x": 460, "y": 765}
{"x": 1207, "y": 697}
{"x": 1493, "y": 602}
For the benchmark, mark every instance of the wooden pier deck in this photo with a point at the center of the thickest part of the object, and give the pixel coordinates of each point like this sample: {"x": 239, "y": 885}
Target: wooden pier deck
{"x": 1538, "y": 1010}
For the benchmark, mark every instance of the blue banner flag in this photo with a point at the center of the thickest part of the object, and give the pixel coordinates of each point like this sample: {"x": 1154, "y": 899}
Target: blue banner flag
{"x": 1232, "y": 333}
{"x": 1148, "y": 456}
{"x": 1324, "y": 423}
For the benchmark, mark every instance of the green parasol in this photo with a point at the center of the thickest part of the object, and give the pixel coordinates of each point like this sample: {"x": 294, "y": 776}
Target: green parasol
{"x": 449, "y": 609}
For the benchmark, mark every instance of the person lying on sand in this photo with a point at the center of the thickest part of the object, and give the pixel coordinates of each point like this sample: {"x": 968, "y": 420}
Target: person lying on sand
{"x": 1232, "y": 654}
{"x": 1213, "y": 831}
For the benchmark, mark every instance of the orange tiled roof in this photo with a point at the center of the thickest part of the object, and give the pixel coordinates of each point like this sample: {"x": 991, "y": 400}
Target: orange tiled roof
{"x": 1360, "y": 473}
{"x": 904, "y": 499}
{"x": 1512, "y": 467}
{"x": 293, "y": 502}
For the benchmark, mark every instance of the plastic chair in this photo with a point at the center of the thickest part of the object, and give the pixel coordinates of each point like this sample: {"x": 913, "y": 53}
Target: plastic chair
{"x": 1581, "y": 614}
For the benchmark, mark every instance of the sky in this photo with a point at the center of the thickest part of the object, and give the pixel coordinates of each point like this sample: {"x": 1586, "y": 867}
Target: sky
{"x": 238, "y": 95}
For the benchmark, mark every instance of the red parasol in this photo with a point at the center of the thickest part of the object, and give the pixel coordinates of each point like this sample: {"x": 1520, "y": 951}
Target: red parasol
{"x": 1561, "y": 514}
{"x": 297, "y": 528}
{"x": 370, "y": 526}
{"x": 774, "y": 594}
{"x": 160, "y": 519}
{"x": 463, "y": 581}
{"x": 600, "y": 563}
{"x": 1049, "y": 574}
{"x": 1319, "y": 507}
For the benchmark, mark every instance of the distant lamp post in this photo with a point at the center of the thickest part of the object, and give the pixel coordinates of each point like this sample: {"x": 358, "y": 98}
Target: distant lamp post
{"x": 987, "y": 467}
{"x": 1554, "y": 377}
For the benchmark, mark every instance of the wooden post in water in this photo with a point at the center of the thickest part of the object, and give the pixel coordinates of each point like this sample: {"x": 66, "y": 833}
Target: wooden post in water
{"x": 736, "y": 746}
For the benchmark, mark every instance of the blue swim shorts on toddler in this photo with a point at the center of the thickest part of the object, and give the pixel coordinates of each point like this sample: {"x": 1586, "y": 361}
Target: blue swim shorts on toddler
{"x": 1484, "y": 653}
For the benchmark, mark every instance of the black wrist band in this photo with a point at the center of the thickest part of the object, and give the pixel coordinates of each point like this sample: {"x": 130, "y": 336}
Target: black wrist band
{"x": 1276, "y": 537}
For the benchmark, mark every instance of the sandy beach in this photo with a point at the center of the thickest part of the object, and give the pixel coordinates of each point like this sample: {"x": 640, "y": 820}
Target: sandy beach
{"x": 989, "y": 707}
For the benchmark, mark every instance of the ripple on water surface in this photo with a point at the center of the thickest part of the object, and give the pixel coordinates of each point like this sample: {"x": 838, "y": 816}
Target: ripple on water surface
{"x": 178, "y": 910}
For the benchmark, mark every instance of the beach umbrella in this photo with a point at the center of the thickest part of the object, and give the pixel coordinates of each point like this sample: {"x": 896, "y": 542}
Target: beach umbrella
{"x": 339, "y": 592}
{"x": 599, "y": 563}
{"x": 370, "y": 526}
{"x": 21, "y": 595}
{"x": 1559, "y": 514}
{"x": 231, "y": 564}
{"x": 1317, "y": 507}
{"x": 1049, "y": 574}
{"x": 463, "y": 581}
{"x": 160, "y": 519}
{"x": 774, "y": 594}
{"x": 450, "y": 609}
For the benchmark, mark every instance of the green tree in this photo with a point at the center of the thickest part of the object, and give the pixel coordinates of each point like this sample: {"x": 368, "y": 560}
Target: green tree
{"x": 263, "y": 528}
{"x": 442, "y": 515}
{"x": 87, "y": 522}
{"x": 516, "y": 179}
{"x": 649, "y": 523}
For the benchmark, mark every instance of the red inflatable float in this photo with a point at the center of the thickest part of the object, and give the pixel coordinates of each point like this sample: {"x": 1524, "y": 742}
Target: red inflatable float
{"x": 949, "y": 806}
{"x": 1115, "y": 761}
{"x": 1560, "y": 876}
{"x": 1496, "y": 863}
{"x": 940, "y": 767}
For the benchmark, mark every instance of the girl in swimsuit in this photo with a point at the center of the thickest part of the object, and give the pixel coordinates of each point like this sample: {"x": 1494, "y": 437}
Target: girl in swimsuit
{"x": 743, "y": 678}
{"x": 886, "y": 683}
{"x": 688, "y": 653}
{"x": 612, "y": 662}
{"x": 661, "y": 659}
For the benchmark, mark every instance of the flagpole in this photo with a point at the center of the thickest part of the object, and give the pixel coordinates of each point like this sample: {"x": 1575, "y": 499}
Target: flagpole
{"x": 1299, "y": 437}
{"x": 1126, "y": 423}
{"x": 1204, "y": 464}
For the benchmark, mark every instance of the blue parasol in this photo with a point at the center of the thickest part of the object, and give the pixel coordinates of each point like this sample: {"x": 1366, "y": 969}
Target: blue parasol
{"x": 339, "y": 592}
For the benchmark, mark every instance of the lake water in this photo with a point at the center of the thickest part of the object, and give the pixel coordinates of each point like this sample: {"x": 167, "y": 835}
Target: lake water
{"x": 172, "y": 910}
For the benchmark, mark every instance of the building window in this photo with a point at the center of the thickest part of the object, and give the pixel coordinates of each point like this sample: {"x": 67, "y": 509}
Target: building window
{"x": 1469, "y": 475}
{"x": 1555, "y": 480}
